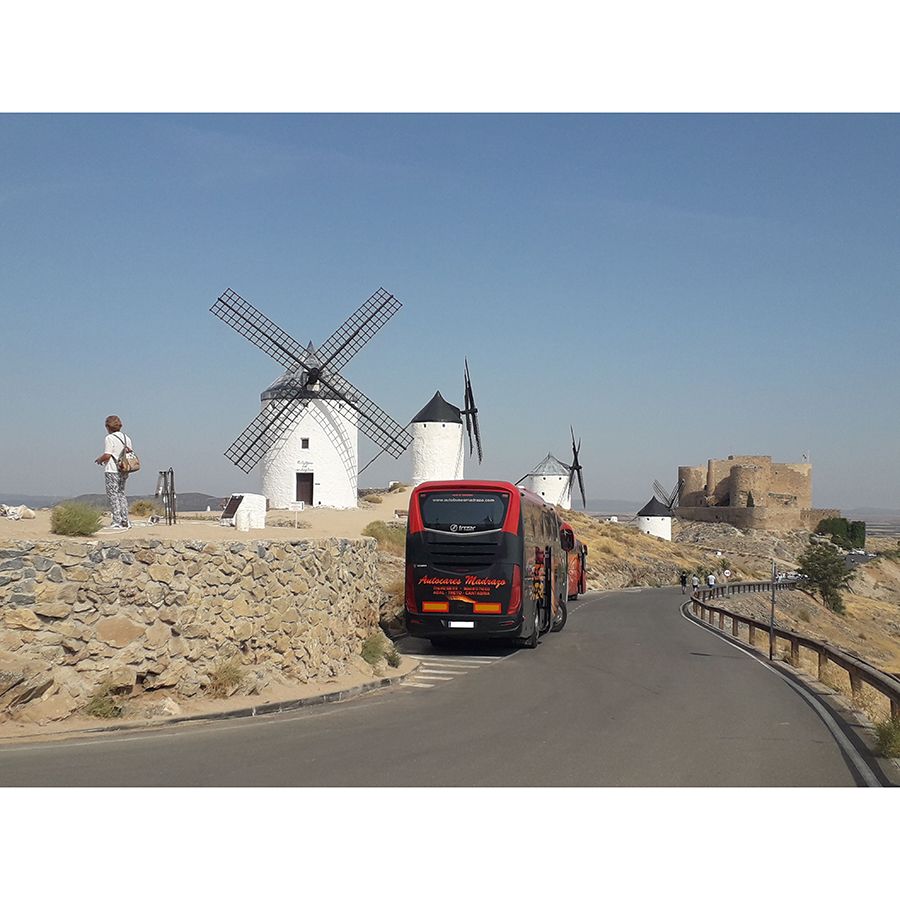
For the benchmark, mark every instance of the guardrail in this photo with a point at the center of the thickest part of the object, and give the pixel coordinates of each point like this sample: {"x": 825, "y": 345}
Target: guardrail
{"x": 858, "y": 671}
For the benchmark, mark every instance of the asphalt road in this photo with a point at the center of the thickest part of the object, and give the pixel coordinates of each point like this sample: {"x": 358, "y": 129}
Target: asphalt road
{"x": 629, "y": 694}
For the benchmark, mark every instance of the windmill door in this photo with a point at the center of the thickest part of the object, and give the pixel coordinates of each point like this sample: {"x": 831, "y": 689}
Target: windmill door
{"x": 305, "y": 487}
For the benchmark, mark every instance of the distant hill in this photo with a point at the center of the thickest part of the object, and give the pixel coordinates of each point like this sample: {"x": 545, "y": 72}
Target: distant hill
{"x": 34, "y": 501}
{"x": 613, "y": 507}
{"x": 871, "y": 512}
{"x": 187, "y": 502}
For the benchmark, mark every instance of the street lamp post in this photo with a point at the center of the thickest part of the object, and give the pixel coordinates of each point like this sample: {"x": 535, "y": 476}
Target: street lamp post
{"x": 772, "y": 614}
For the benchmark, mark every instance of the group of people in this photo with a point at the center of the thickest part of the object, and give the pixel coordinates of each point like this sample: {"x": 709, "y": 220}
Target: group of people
{"x": 695, "y": 581}
{"x": 116, "y": 441}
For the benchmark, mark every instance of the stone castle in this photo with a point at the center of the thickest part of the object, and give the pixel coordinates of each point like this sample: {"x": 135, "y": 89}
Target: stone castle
{"x": 750, "y": 492}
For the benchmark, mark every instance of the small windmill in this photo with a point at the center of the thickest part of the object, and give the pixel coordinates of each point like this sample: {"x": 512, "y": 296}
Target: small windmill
{"x": 317, "y": 463}
{"x": 553, "y": 480}
{"x": 438, "y": 445}
{"x": 655, "y": 518}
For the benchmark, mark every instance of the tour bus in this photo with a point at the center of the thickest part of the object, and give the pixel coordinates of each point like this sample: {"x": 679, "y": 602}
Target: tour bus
{"x": 484, "y": 559}
{"x": 577, "y": 557}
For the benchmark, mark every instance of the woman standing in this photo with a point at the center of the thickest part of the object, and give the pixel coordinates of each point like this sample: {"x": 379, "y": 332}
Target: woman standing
{"x": 115, "y": 442}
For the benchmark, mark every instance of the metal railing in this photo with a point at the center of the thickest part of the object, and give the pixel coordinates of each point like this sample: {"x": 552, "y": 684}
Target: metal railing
{"x": 858, "y": 671}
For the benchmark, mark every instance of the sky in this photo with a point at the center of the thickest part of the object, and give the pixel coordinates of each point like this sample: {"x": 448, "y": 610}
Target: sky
{"x": 676, "y": 287}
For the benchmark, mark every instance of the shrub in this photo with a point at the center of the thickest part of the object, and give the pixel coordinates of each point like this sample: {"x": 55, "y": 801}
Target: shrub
{"x": 803, "y": 615}
{"x": 838, "y": 529}
{"x": 104, "y": 704}
{"x": 824, "y": 568}
{"x": 225, "y": 678}
{"x": 142, "y": 508}
{"x": 377, "y": 647}
{"x": 887, "y": 737}
{"x": 397, "y": 488}
{"x": 858, "y": 534}
{"x": 75, "y": 519}
{"x": 373, "y": 648}
{"x": 374, "y": 498}
{"x": 390, "y": 538}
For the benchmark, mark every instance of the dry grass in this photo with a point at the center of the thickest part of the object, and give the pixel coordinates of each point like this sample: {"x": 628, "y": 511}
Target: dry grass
{"x": 225, "y": 678}
{"x": 390, "y": 539}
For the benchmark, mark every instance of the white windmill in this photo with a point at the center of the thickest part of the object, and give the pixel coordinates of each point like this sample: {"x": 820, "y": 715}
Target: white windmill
{"x": 438, "y": 448}
{"x": 306, "y": 433}
{"x": 655, "y": 517}
{"x": 553, "y": 480}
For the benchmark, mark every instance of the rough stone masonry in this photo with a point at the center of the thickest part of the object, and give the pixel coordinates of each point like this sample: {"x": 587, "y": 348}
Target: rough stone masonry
{"x": 141, "y": 615}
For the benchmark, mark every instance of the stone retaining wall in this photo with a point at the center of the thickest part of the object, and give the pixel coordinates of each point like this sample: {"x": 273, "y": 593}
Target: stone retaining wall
{"x": 140, "y": 615}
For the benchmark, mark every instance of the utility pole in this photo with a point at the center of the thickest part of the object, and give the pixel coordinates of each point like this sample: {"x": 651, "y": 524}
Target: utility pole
{"x": 772, "y": 614}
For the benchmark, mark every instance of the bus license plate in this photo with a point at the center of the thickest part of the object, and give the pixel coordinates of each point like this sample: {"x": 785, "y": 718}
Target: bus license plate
{"x": 461, "y": 624}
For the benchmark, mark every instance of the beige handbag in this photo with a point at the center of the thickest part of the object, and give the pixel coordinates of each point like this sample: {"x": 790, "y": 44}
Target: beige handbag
{"x": 128, "y": 461}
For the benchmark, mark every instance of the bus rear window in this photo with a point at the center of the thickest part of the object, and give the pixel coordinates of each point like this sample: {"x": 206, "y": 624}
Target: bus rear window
{"x": 463, "y": 512}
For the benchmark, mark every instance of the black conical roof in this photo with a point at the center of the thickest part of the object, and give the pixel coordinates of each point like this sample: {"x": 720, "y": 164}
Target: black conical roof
{"x": 438, "y": 410}
{"x": 655, "y": 508}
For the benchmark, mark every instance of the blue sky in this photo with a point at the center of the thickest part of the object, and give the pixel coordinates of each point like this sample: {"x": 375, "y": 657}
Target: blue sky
{"x": 676, "y": 287}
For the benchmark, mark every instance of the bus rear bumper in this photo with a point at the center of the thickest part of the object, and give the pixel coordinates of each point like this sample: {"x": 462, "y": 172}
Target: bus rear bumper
{"x": 462, "y": 627}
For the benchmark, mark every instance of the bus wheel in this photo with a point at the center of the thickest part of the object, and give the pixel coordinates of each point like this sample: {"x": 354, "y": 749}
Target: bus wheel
{"x": 561, "y": 615}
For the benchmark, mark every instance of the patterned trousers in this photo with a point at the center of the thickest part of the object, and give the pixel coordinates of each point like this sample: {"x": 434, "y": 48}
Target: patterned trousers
{"x": 115, "y": 493}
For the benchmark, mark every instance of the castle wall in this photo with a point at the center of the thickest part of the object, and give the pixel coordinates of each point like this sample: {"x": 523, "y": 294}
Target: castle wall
{"x": 694, "y": 478}
{"x": 768, "y": 518}
{"x": 792, "y": 480}
{"x": 746, "y": 480}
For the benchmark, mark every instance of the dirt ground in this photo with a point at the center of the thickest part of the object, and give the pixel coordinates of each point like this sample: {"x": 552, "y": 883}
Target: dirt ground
{"x": 313, "y": 523}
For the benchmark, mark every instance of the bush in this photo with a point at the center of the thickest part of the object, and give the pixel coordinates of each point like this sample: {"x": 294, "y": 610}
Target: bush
{"x": 390, "y": 538}
{"x": 887, "y": 737}
{"x": 377, "y": 647}
{"x": 839, "y": 530}
{"x": 75, "y": 519}
{"x": 142, "y": 508}
{"x": 824, "y": 568}
{"x": 225, "y": 678}
{"x": 858, "y": 534}
{"x": 374, "y": 498}
{"x": 104, "y": 704}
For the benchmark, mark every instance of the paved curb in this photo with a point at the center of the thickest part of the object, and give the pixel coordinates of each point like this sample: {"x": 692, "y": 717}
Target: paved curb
{"x": 244, "y": 712}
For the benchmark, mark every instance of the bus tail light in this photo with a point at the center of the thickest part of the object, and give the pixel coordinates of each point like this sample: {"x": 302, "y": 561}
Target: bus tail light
{"x": 515, "y": 594}
{"x": 409, "y": 594}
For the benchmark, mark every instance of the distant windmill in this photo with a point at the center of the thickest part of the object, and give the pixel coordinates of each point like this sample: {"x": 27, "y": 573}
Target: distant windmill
{"x": 553, "y": 480}
{"x": 655, "y": 517}
{"x": 307, "y": 431}
{"x": 438, "y": 446}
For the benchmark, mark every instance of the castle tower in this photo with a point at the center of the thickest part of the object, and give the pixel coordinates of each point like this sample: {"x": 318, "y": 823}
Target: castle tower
{"x": 551, "y": 480}
{"x": 656, "y": 519}
{"x": 437, "y": 446}
{"x": 317, "y": 459}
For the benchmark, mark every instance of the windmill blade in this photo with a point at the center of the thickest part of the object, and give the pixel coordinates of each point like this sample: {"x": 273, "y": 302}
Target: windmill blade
{"x": 674, "y": 494}
{"x": 576, "y": 467}
{"x": 471, "y": 413}
{"x": 264, "y": 431}
{"x": 374, "y": 422}
{"x": 581, "y": 488}
{"x": 260, "y": 330}
{"x": 660, "y": 492}
{"x": 358, "y": 330}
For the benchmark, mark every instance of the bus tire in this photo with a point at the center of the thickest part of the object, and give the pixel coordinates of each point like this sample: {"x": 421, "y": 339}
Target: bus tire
{"x": 561, "y": 616}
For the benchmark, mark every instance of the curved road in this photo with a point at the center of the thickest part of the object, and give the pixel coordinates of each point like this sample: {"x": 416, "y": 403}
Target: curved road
{"x": 629, "y": 694}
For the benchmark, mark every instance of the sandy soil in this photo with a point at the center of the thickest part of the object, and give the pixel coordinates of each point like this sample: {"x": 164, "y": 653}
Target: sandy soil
{"x": 319, "y": 522}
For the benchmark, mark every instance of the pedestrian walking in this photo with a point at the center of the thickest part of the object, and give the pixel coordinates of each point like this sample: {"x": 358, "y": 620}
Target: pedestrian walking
{"x": 684, "y": 582}
{"x": 115, "y": 442}
{"x": 695, "y": 582}
{"x": 711, "y": 580}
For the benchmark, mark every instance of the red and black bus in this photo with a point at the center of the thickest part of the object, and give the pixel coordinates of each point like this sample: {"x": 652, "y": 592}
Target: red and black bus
{"x": 577, "y": 556}
{"x": 484, "y": 559}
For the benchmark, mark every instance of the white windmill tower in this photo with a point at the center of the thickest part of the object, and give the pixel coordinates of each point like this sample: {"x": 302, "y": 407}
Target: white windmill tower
{"x": 438, "y": 448}
{"x": 306, "y": 433}
{"x": 655, "y": 517}
{"x": 553, "y": 480}
{"x": 317, "y": 459}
